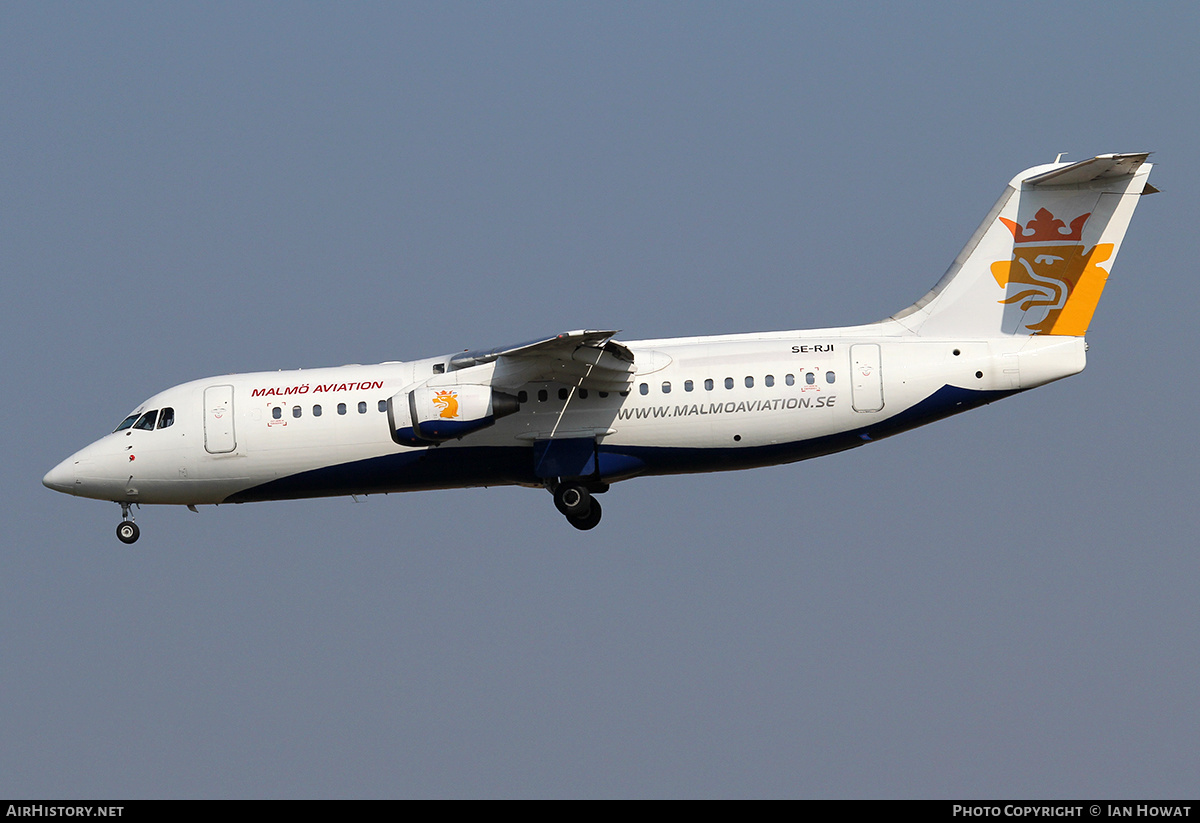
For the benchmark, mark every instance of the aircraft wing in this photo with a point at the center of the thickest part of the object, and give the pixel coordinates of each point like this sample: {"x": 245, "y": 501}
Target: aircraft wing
{"x": 589, "y": 359}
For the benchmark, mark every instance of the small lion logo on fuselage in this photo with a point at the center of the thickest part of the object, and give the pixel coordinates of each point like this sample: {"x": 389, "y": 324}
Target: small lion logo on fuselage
{"x": 447, "y": 403}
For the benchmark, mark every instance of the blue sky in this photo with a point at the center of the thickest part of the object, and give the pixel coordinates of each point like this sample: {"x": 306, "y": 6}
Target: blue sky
{"x": 999, "y": 605}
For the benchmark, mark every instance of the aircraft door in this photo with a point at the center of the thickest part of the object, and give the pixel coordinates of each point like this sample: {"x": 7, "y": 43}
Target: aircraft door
{"x": 219, "y": 436}
{"x": 867, "y": 386}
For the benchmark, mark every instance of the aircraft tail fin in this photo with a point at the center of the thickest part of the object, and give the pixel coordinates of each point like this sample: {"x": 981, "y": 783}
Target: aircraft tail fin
{"x": 1038, "y": 263}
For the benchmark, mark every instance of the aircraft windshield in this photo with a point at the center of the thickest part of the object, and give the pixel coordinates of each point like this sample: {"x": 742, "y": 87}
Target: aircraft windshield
{"x": 126, "y": 423}
{"x": 146, "y": 421}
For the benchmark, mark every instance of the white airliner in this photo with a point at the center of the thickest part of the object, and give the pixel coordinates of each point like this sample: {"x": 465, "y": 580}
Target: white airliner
{"x": 579, "y": 411}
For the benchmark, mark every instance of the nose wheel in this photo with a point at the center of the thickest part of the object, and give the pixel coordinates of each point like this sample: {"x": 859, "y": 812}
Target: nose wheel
{"x": 128, "y": 531}
{"x": 577, "y": 505}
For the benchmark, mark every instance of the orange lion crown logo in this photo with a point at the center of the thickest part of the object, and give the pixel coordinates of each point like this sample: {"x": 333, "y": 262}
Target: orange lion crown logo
{"x": 1050, "y": 278}
{"x": 1045, "y": 227}
{"x": 447, "y": 402}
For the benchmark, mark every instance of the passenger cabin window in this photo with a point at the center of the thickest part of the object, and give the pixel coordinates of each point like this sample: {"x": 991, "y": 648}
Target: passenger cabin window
{"x": 708, "y": 384}
{"x": 522, "y": 397}
{"x": 383, "y": 405}
{"x": 126, "y": 423}
{"x": 790, "y": 380}
{"x": 666, "y": 387}
{"x": 644, "y": 388}
{"x": 583, "y": 394}
{"x": 749, "y": 382}
{"x": 316, "y": 411}
{"x": 341, "y": 408}
{"x": 687, "y": 385}
{"x": 277, "y": 412}
{"x": 810, "y": 379}
{"x": 146, "y": 421}
{"x": 166, "y": 418}
{"x": 769, "y": 380}
{"x": 563, "y": 394}
{"x": 543, "y": 395}
{"x": 829, "y": 377}
{"x": 362, "y": 407}
{"x": 729, "y": 382}
{"x": 295, "y": 411}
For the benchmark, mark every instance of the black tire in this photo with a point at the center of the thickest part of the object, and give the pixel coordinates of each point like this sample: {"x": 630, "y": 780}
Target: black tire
{"x": 572, "y": 500}
{"x": 128, "y": 532}
{"x": 589, "y": 520}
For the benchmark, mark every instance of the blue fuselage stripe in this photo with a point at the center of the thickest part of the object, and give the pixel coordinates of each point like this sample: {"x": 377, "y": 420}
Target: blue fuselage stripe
{"x": 460, "y": 466}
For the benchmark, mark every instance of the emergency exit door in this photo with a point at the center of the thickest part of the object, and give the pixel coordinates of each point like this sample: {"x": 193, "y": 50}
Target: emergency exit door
{"x": 867, "y": 378}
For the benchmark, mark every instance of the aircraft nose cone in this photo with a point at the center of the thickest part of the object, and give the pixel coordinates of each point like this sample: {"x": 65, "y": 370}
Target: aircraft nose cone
{"x": 61, "y": 478}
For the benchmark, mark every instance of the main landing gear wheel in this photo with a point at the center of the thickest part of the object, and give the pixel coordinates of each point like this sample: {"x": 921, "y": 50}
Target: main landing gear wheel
{"x": 576, "y": 503}
{"x": 573, "y": 500}
{"x": 589, "y": 520}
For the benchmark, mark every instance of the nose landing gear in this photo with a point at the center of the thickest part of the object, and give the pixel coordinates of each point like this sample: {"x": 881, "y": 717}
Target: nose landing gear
{"x": 577, "y": 504}
{"x": 128, "y": 531}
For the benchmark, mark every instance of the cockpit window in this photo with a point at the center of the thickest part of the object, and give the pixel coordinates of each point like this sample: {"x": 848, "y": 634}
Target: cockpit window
{"x": 126, "y": 423}
{"x": 166, "y": 418}
{"x": 146, "y": 421}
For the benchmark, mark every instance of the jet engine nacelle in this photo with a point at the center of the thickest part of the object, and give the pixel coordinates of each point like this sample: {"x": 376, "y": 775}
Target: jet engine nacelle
{"x": 428, "y": 415}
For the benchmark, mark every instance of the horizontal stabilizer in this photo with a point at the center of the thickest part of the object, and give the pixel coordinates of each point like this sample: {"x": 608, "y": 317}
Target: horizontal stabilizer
{"x": 1102, "y": 167}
